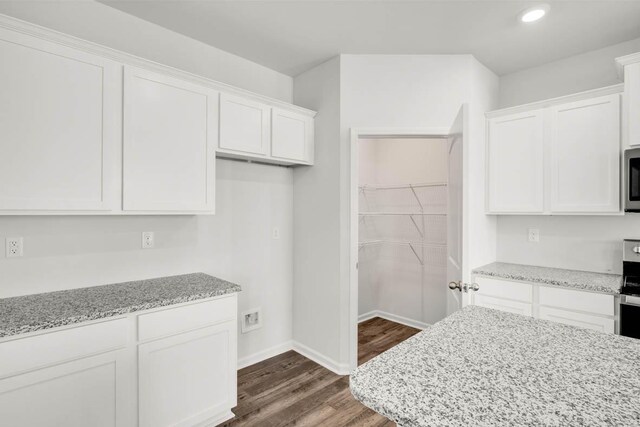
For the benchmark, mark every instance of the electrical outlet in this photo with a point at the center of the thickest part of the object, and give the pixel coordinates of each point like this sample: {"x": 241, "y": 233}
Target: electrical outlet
{"x": 251, "y": 319}
{"x": 275, "y": 233}
{"x": 534, "y": 235}
{"x": 14, "y": 247}
{"x": 148, "y": 240}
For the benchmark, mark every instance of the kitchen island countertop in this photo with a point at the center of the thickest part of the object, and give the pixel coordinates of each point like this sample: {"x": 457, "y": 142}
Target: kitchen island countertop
{"x": 484, "y": 367}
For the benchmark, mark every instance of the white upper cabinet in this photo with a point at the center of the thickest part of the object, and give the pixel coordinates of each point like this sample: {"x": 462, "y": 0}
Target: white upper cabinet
{"x": 515, "y": 163}
{"x": 59, "y": 127}
{"x": 584, "y": 153}
{"x": 560, "y": 156}
{"x": 244, "y": 126}
{"x": 291, "y": 136}
{"x": 629, "y": 67}
{"x": 170, "y": 132}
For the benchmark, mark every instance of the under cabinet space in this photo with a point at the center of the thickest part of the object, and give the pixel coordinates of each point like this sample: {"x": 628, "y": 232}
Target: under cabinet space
{"x": 170, "y": 131}
{"x": 244, "y": 126}
{"x": 62, "y": 155}
{"x": 291, "y": 136}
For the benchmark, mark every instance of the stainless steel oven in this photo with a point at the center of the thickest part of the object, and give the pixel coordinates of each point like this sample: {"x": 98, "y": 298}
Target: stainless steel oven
{"x": 630, "y": 292}
{"x": 632, "y": 180}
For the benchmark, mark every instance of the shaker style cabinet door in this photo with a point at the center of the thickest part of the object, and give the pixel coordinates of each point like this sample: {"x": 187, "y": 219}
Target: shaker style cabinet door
{"x": 170, "y": 130}
{"x": 515, "y": 163}
{"x": 585, "y": 151}
{"x": 189, "y": 378}
{"x": 291, "y": 136}
{"x": 244, "y": 126}
{"x": 59, "y": 127}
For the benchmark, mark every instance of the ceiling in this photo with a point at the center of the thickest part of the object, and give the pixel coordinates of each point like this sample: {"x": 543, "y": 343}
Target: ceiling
{"x": 293, "y": 36}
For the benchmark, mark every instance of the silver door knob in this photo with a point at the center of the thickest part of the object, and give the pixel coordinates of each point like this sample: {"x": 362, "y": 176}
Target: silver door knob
{"x": 474, "y": 287}
{"x": 455, "y": 285}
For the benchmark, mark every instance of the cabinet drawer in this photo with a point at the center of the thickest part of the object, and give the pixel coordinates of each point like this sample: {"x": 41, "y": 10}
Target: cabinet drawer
{"x": 38, "y": 351}
{"x": 509, "y": 306}
{"x": 577, "y": 300}
{"x": 505, "y": 289}
{"x": 181, "y": 319}
{"x": 581, "y": 320}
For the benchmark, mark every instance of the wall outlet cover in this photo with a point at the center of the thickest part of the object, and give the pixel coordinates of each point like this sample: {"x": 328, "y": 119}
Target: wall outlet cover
{"x": 14, "y": 247}
{"x": 534, "y": 235}
{"x": 148, "y": 239}
{"x": 251, "y": 320}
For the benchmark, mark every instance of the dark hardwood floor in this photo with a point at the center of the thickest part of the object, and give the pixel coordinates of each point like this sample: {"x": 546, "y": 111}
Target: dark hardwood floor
{"x": 290, "y": 389}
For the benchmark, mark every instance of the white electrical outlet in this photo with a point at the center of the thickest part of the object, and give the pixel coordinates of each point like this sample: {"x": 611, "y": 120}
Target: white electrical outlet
{"x": 148, "y": 239}
{"x": 275, "y": 233}
{"x": 14, "y": 247}
{"x": 534, "y": 235}
{"x": 251, "y": 319}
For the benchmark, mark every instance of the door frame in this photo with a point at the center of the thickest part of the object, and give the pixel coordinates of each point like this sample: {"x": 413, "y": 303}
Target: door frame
{"x": 356, "y": 135}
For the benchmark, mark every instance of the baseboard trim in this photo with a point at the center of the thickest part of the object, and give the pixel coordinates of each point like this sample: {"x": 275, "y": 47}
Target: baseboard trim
{"x": 259, "y": 356}
{"x": 393, "y": 318}
{"x": 330, "y": 364}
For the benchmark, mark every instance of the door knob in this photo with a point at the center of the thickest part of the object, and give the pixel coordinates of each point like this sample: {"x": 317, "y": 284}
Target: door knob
{"x": 474, "y": 287}
{"x": 455, "y": 285}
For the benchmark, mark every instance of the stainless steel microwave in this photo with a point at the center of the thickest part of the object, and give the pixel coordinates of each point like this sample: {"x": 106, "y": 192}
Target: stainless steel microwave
{"x": 632, "y": 180}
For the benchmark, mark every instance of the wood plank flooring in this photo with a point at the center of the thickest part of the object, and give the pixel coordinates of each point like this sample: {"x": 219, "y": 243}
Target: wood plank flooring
{"x": 290, "y": 389}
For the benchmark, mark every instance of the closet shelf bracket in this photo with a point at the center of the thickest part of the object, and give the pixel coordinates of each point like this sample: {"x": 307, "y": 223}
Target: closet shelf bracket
{"x": 413, "y": 220}
{"x": 416, "y": 253}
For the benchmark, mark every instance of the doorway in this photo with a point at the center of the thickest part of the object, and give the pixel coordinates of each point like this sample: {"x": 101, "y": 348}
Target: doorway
{"x": 406, "y": 226}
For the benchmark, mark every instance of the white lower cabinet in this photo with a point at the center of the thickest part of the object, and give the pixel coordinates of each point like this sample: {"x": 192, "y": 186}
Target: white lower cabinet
{"x": 87, "y": 374}
{"x": 584, "y": 309}
{"x": 187, "y": 379}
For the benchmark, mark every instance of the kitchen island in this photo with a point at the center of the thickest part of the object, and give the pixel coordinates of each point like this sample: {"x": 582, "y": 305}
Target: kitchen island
{"x": 484, "y": 367}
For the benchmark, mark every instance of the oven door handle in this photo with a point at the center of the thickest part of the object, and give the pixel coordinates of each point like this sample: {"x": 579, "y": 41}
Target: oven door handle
{"x": 630, "y": 300}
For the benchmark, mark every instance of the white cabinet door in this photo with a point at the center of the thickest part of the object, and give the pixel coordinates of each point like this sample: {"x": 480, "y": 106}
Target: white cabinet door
{"x": 188, "y": 378}
{"x": 631, "y": 124}
{"x": 584, "y": 173}
{"x": 170, "y": 130}
{"x": 244, "y": 125}
{"x": 59, "y": 127}
{"x": 291, "y": 136}
{"x": 87, "y": 392}
{"x": 582, "y": 320}
{"x": 515, "y": 163}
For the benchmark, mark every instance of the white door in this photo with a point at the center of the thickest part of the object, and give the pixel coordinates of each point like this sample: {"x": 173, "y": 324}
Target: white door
{"x": 585, "y": 156}
{"x": 59, "y": 127}
{"x": 454, "y": 212}
{"x": 87, "y": 392}
{"x": 291, "y": 136}
{"x": 515, "y": 163}
{"x": 170, "y": 131}
{"x": 244, "y": 126}
{"x": 188, "y": 378}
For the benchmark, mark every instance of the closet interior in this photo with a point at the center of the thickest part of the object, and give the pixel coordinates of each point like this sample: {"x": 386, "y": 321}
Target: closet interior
{"x": 402, "y": 231}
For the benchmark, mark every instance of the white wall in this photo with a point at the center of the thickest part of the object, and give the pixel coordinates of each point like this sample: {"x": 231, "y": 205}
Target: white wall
{"x": 577, "y": 73}
{"x": 110, "y": 27}
{"x": 235, "y": 244}
{"x": 584, "y": 243}
{"x": 390, "y": 277}
{"x": 316, "y": 293}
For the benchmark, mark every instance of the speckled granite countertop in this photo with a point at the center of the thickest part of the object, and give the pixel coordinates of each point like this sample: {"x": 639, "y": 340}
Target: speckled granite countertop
{"x": 30, "y": 313}
{"x": 482, "y": 367}
{"x": 585, "y": 280}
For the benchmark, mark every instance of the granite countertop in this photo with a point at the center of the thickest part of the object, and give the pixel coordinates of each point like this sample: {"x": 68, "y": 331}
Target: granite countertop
{"x": 29, "y": 313}
{"x": 585, "y": 280}
{"x": 484, "y": 367}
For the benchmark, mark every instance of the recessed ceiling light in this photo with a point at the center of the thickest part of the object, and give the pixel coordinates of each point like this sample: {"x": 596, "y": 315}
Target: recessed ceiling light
{"x": 534, "y": 13}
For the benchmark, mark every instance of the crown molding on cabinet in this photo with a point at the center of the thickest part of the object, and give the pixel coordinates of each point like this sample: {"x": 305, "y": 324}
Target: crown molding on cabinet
{"x": 626, "y": 60}
{"x": 603, "y": 91}
{"x": 47, "y": 34}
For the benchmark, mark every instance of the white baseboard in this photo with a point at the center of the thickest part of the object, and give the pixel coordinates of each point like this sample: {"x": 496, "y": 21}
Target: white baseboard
{"x": 330, "y": 364}
{"x": 264, "y": 354}
{"x": 394, "y": 318}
